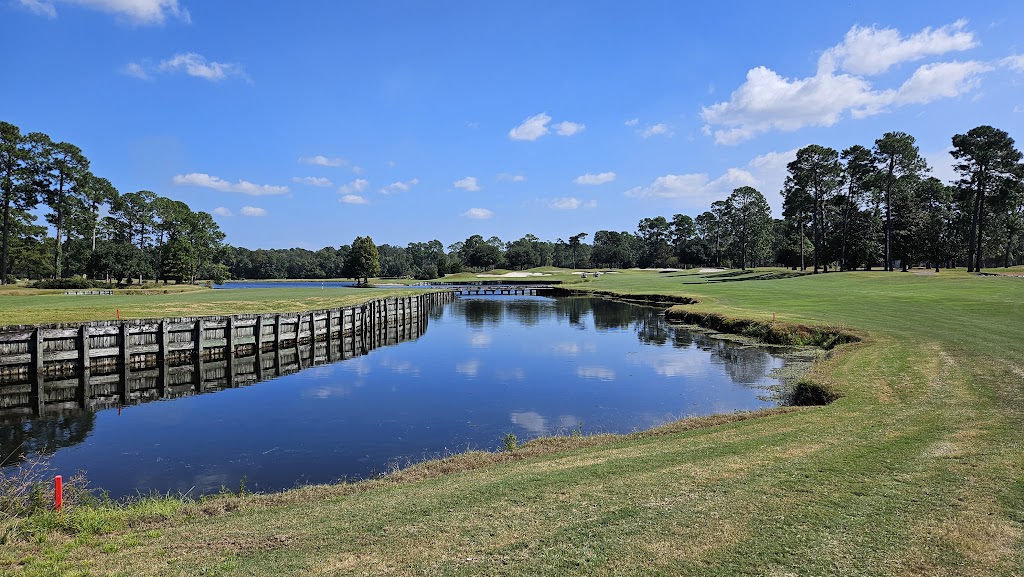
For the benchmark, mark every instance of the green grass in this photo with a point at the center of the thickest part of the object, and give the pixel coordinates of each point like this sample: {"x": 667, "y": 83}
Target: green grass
{"x": 916, "y": 470}
{"x": 39, "y": 307}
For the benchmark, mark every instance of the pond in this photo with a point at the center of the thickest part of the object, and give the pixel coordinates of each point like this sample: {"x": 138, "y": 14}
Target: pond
{"x": 483, "y": 368}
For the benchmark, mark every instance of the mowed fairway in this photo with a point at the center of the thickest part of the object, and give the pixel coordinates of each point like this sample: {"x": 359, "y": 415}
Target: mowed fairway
{"x": 24, "y": 307}
{"x": 917, "y": 470}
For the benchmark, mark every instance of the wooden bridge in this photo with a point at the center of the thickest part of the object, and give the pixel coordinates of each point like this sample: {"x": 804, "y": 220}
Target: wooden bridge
{"x": 54, "y": 368}
{"x": 528, "y": 290}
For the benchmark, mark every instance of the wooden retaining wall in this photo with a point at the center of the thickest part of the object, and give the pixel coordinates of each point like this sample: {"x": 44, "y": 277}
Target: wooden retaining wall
{"x": 55, "y": 368}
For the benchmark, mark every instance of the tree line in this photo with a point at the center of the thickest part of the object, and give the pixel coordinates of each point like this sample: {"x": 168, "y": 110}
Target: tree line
{"x": 862, "y": 207}
{"x": 90, "y": 228}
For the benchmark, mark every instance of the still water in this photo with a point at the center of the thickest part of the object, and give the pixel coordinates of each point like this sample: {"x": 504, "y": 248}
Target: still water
{"x": 484, "y": 368}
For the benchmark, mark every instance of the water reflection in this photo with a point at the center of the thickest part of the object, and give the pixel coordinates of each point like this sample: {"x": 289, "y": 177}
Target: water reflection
{"x": 69, "y": 405}
{"x": 480, "y": 313}
{"x": 487, "y": 366}
{"x": 539, "y": 425}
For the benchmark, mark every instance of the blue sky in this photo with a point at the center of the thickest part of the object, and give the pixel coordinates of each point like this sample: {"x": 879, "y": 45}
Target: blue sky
{"x": 309, "y": 123}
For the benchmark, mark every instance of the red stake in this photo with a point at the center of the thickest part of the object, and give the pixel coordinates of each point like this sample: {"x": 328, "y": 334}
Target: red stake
{"x": 118, "y": 314}
{"x": 58, "y": 493}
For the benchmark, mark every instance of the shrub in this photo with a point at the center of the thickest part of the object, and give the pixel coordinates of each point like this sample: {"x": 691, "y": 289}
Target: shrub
{"x": 806, "y": 393}
{"x": 27, "y": 488}
{"x": 511, "y": 442}
{"x": 71, "y": 283}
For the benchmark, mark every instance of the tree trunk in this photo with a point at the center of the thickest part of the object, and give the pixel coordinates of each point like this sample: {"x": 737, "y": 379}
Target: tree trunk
{"x": 888, "y": 216}
{"x": 816, "y": 226}
{"x": 57, "y": 252}
{"x": 981, "y": 230}
{"x": 6, "y": 241}
{"x": 803, "y": 265}
{"x": 846, "y": 225}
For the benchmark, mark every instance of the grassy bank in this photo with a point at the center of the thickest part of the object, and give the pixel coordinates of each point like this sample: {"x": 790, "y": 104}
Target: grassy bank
{"x": 915, "y": 470}
{"x": 38, "y": 307}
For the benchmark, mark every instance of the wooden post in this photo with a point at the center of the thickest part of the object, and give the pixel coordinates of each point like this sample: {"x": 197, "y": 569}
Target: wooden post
{"x": 341, "y": 331}
{"x": 277, "y": 331}
{"x": 259, "y": 356}
{"x": 330, "y": 319}
{"x": 197, "y": 356}
{"x": 277, "y": 352}
{"x": 257, "y": 332}
{"x": 298, "y": 347}
{"x": 38, "y": 384}
{"x": 126, "y": 361}
{"x": 229, "y": 350}
{"x": 83, "y": 360}
{"x": 163, "y": 340}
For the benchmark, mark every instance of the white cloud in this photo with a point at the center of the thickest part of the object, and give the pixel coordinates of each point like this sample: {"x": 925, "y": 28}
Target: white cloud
{"x": 869, "y": 51}
{"x": 632, "y": 122}
{"x": 766, "y": 173}
{"x": 130, "y": 11}
{"x": 353, "y": 199}
{"x": 656, "y": 130}
{"x": 196, "y": 65}
{"x": 767, "y": 101}
{"x": 532, "y": 128}
{"x": 222, "y": 211}
{"x": 219, "y": 184}
{"x": 565, "y": 203}
{"x": 469, "y": 183}
{"x": 357, "y": 170}
{"x": 136, "y": 70}
{"x": 1015, "y": 62}
{"x": 252, "y": 211}
{"x": 190, "y": 63}
{"x": 40, "y": 7}
{"x": 321, "y": 160}
{"x": 940, "y": 80}
{"x": 567, "y": 128}
{"x": 504, "y": 176}
{"x": 357, "y": 185}
{"x": 1018, "y": 109}
{"x": 400, "y": 186}
{"x": 590, "y": 204}
{"x": 600, "y": 178}
{"x": 312, "y": 180}
{"x": 478, "y": 213}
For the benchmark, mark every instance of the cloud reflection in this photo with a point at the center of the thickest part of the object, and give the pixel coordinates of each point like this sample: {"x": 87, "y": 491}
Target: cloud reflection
{"x": 676, "y": 364}
{"x": 517, "y": 374}
{"x": 537, "y": 424}
{"x": 531, "y": 421}
{"x": 358, "y": 365}
{"x": 599, "y": 373}
{"x": 328, "y": 392}
{"x": 468, "y": 368}
{"x": 481, "y": 340}
{"x": 400, "y": 367}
